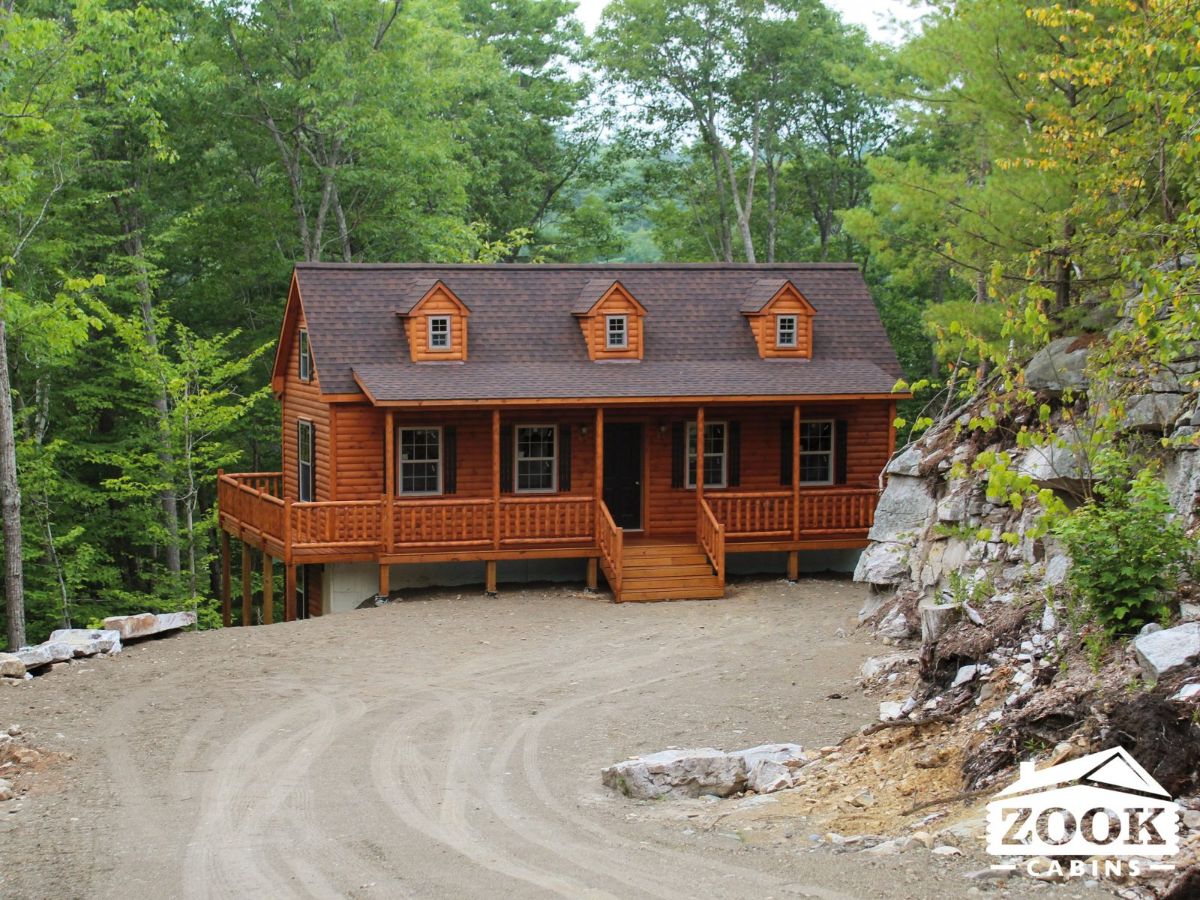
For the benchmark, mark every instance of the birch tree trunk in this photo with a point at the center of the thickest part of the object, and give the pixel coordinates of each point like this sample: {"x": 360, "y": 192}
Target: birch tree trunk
{"x": 10, "y": 499}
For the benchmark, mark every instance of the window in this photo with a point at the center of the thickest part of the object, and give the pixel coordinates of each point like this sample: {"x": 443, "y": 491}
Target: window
{"x": 816, "y": 452}
{"x": 305, "y": 356}
{"x": 715, "y": 454}
{"x": 785, "y": 331}
{"x": 616, "y": 329}
{"x": 535, "y": 458}
{"x": 305, "y": 455}
{"x": 439, "y": 332}
{"x": 420, "y": 460}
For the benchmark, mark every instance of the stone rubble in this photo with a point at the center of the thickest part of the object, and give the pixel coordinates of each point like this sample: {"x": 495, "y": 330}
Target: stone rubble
{"x": 67, "y": 644}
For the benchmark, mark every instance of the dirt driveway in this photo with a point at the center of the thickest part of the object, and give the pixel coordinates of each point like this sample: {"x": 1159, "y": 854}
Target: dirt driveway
{"x": 443, "y": 747}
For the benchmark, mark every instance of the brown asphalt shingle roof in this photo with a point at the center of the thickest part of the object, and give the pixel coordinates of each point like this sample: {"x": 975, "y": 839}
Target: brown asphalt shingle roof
{"x": 525, "y": 343}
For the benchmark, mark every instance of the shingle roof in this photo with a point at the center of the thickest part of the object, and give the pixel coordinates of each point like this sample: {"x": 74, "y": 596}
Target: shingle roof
{"x": 761, "y": 292}
{"x": 414, "y": 294}
{"x": 589, "y": 294}
{"x": 524, "y": 342}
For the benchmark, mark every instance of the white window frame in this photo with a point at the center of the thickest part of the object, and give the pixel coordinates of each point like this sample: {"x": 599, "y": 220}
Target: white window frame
{"x": 795, "y": 331}
{"x": 305, "y": 365}
{"x": 517, "y": 489}
{"x": 440, "y": 348}
{"x": 831, "y": 452}
{"x": 689, "y": 455}
{"x": 608, "y": 332}
{"x": 441, "y": 463}
{"x": 306, "y": 485}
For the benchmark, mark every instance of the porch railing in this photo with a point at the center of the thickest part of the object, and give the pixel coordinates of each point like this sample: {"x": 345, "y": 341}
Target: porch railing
{"x": 546, "y": 520}
{"x": 837, "y": 510}
{"x": 711, "y": 535}
{"x": 611, "y": 541}
{"x": 761, "y": 514}
{"x": 438, "y": 522}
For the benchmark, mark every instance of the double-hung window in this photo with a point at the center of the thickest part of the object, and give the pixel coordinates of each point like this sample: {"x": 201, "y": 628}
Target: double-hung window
{"x": 420, "y": 461}
{"x": 306, "y": 482}
{"x": 305, "y": 356}
{"x": 616, "y": 331}
{"x": 816, "y": 452}
{"x": 536, "y": 458}
{"x": 716, "y": 454}
{"x": 439, "y": 332}
{"x": 785, "y": 331}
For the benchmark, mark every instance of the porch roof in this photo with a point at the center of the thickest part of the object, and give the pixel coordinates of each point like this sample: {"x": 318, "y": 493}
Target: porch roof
{"x": 398, "y": 383}
{"x": 525, "y": 342}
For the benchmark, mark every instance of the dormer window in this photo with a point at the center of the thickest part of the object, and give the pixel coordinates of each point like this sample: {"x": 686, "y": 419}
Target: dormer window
{"x": 617, "y": 332}
{"x": 439, "y": 332}
{"x": 785, "y": 331}
{"x": 305, "y": 356}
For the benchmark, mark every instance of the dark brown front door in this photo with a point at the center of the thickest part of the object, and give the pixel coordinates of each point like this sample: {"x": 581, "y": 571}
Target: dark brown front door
{"x": 623, "y": 473}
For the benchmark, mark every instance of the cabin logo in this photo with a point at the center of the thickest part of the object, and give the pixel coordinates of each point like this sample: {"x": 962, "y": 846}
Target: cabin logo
{"x": 1101, "y": 815}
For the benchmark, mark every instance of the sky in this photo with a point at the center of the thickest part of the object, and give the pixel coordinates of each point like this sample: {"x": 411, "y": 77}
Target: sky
{"x": 873, "y": 15}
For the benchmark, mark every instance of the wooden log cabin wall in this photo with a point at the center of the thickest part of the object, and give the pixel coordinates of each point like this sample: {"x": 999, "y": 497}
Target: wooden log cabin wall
{"x": 796, "y": 436}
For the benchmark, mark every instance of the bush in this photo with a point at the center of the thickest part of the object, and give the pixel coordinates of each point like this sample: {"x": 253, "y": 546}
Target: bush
{"x": 1126, "y": 552}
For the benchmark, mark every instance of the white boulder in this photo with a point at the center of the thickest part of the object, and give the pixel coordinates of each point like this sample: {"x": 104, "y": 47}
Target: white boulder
{"x": 905, "y": 508}
{"x": 35, "y": 657}
{"x": 59, "y": 651}
{"x": 145, "y": 625}
{"x": 11, "y": 666}
{"x": 1165, "y": 651}
{"x": 885, "y": 562}
{"x": 677, "y": 773}
{"x": 89, "y": 641}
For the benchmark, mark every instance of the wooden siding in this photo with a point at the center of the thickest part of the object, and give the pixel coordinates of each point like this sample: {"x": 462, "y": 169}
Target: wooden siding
{"x": 440, "y": 302}
{"x": 358, "y": 445}
{"x": 762, "y": 324}
{"x": 616, "y": 303}
{"x": 302, "y": 400}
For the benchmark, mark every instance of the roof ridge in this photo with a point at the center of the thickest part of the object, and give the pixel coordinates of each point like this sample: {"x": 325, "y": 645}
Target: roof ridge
{"x": 586, "y": 267}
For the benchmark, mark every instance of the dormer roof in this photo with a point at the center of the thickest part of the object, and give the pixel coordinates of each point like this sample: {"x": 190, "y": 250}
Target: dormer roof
{"x": 766, "y": 291}
{"x": 420, "y": 292}
{"x": 596, "y": 291}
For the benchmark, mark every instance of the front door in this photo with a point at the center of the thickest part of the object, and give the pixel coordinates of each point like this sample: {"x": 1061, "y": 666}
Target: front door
{"x": 623, "y": 473}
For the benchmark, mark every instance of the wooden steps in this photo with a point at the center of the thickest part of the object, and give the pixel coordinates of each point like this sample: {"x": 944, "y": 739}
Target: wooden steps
{"x": 667, "y": 571}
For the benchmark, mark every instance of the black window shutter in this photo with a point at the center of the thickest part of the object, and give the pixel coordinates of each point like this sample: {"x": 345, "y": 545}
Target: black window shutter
{"x": 678, "y": 455}
{"x": 506, "y": 459}
{"x": 734, "y": 463}
{"x": 841, "y": 431}
{"x": 785, "y": 453}
{"x": 450, "y": 460}
{"x": 564, "y": 457}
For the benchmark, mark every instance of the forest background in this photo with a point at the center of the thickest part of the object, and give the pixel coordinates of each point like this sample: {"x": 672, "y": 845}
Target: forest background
{"x": 1000, "y": 174}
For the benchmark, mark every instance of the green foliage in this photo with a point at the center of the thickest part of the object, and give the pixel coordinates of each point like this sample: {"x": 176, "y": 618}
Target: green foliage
{"x": 1126, "y": 552}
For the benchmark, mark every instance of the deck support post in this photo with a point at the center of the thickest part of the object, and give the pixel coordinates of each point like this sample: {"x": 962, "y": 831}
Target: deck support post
{"x": 385, "y": 587}
{"x": 592, "y": 582}
{"x": 793, "y": 565}
{"x": 247, "y": 586}
{"x": 496, "y": 479}
{"x": 289, "y": 592}
{"x": 226, "y": 581}
{"x": 489, "y": 577}
{"x": 268, "y": 589}
{"x": 795, "y": 476}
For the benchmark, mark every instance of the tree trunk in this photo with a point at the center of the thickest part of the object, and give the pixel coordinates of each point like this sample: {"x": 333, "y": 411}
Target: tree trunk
{"x": 725, "y": 233}
{"x": 10, "y": 501}
{"x": 772, "y": 206}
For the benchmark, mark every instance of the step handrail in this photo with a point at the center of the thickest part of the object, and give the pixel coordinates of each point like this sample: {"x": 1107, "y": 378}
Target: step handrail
{"x": 611, "y": 541}
{"x": 710, "y": 534}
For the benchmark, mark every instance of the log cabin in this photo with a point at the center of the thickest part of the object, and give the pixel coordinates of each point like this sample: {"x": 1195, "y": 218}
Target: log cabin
{"x": 643, "y": 422}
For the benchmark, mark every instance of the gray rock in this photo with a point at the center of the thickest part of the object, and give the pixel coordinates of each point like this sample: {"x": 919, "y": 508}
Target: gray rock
{"x": 906, "y": 462}
{"x": 146, "y": 624}
{"x": 1152, "y": 412}
{"x": 885, "y": 562}
{"x": 964, "y": 674}
{"x": 1055, "y": 464}
{"x": 1150, "y": 628}
{"x": 873, "y": 604}
{"x": 890, "y": 709}
{"x": 6, "y": 791}
{"x": 677, "y": 773}
{"x": 905, "y": 508}
{"x": 1057, "y": 568}
{"x": 1189, "y": 612}
{"x": 771, "y": 767}
{"x": 1049, "y": 619}
{"x": 1182, "y": 476}
{"x": 1167, "y": 650}
{"x": 894, "y": 625}
{"x": 11, "y": 666}
{"x": 1187, "y": 692}
{"x": 59, "y": 651}
{"x": 35, "y": 657}
{"x": 882, "y": 665}
{"x": 89, "y": 641}
{"x": 1056, "y": 367}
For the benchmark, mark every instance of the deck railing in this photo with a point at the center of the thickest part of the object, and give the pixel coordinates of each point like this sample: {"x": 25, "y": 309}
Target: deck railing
{"x": 765, "y": 515}
{"x": 760, "y": 514}
{"x": 339, "y": 523}
{"x": 565, "y": 519}
{"x": 837, "y": 510}
{"x": 611, "y": 541}
{"x": 438, "y": 522}
{"x": 711, "y": 535}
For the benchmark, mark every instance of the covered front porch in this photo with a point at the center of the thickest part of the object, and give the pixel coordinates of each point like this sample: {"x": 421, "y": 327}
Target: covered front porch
{"x": 614, "y": 485}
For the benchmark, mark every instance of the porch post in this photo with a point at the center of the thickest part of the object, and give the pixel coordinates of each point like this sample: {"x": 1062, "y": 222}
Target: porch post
{"x": 891, "y": 427}
{"x": 226, "y": 582}
{"x": 592, "y": 575}
{"x": 599, "y": 436}
{"x": 289, "y": 592}
{"x": 699, "y": 454}
{"x": 268, "y": 603}
{"x": 247, "y": 586}
{"x": 389, "y": 452}
{"x": 795, "y": 473}
{"x": 496, "y": 479}
{"x": 385, "y": 573}
{"x": 489, "y": 577}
